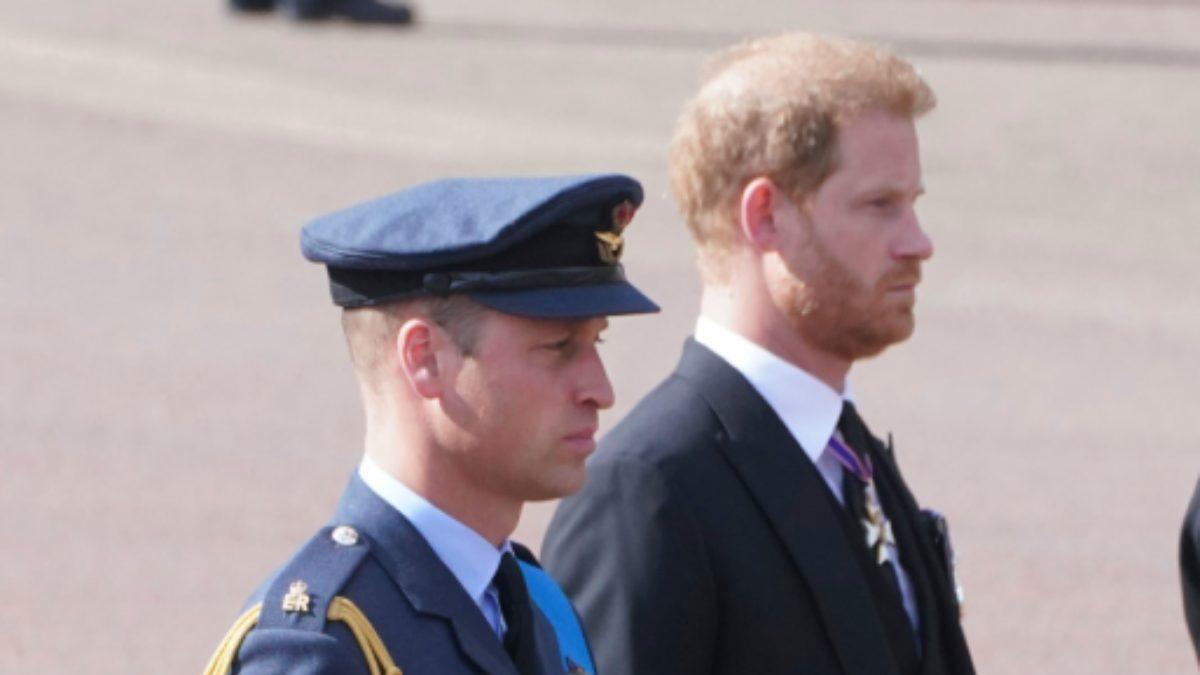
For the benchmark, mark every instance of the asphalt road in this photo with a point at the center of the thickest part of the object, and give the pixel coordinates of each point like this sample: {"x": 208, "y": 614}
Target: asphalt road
{"x": 177, "y": 413}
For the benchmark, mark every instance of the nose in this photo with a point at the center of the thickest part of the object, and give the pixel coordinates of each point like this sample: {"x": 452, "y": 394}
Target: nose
{"x": 594, "y": 387}
{"x": 913, "y": 242}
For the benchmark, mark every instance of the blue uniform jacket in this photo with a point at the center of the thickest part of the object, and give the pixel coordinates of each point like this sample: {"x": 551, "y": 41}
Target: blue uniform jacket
{"x": 425, "y": 619}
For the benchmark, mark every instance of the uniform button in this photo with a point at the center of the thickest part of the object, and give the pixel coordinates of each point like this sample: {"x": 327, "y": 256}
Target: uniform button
{"x": 345, "y": 535}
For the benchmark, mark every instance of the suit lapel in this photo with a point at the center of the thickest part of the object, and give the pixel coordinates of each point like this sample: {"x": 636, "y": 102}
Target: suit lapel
{"x": 905, "y": 521}
{"x": 421, "y": 576}
{"x": 944, "y": 650}
{"x": 792, "y": 496}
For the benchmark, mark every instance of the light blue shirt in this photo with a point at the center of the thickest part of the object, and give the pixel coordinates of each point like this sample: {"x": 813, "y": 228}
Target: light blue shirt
{"x": 471, "y": 558}
{"x": 809, "y": 409}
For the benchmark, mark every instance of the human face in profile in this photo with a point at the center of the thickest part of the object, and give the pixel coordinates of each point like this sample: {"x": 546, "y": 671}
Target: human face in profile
{"x": 525, "y": 403}
{"x": 855, "y": 247}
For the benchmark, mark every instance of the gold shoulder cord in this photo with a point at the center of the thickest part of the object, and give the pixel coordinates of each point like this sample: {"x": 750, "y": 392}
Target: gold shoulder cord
{"x": 341, "y": 609}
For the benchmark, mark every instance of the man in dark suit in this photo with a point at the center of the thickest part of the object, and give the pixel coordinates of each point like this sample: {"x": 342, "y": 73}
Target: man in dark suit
{"x": 472, "y": 308}
{"x": 1189, "y": 568}
{"x": 742, "y": 519}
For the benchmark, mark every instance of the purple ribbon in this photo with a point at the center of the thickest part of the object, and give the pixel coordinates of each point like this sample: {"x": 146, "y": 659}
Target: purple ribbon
{"x": 860, "y": 467}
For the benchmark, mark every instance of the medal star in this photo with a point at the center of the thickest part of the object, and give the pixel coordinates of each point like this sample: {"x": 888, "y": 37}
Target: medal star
{"x": 874, "y": 512}
{"x": 878, "y": 528}
{"x": 879, "y": 536}
{"x": 886, "y": 538}
{"x": 873, "y": 532}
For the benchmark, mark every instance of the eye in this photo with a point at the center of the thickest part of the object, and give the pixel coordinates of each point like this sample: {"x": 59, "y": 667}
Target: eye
{"x": 558, "y": 345}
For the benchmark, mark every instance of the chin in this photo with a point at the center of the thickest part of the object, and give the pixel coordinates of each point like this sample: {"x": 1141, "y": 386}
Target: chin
{"x": 872, "y": 343}
{"x": 894, "y": 326}
{"x": 570, "y": 487}
{"x": 894, "y": 337}
{"x": 559, "y": 486}
{"x": 906, "y": 325}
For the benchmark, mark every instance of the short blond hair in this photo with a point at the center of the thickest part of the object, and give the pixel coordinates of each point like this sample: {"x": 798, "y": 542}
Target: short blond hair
{"x": 772, "y": 107}
{"x": 371, "y": 331}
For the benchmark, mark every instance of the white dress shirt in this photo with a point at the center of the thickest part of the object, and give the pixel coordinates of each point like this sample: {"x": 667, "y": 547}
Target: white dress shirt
{"x": 809, "y": 409}
{"x": 471, "y": 558}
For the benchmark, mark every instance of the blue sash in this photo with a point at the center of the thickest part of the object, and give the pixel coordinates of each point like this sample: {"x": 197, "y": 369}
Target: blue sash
{"x": 555, "y": 606}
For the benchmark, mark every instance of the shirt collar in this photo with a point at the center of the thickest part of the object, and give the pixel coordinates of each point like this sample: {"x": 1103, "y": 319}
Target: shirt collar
{"x": 808, "y": 407}
{"x": 471, "y": 558}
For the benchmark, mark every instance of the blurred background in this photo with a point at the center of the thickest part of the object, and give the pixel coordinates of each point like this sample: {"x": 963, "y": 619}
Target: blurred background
{"x": 177, "y": 412}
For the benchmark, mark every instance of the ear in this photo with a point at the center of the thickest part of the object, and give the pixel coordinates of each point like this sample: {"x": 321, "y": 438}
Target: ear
{"x": 418, "y": 343}
{"x": 756, "y": 215}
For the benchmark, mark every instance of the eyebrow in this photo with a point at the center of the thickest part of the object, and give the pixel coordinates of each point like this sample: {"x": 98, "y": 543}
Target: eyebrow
{"x": 574, "y": 326}
{"x": 877, "y": 189}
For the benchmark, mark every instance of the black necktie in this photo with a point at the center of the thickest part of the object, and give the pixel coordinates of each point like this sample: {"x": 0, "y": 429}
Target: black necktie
{"x": 854, "y": 490}
{"x": 518, "y": 615}
{"x": 881, "y": 578}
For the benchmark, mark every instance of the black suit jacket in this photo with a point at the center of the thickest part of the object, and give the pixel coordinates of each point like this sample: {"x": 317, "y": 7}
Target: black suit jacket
{"x": 1189, "y": 568}
{"x": 705, "y": 541}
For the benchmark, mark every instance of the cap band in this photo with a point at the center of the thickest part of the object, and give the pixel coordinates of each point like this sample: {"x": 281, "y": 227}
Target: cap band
{"x": 358, "y": 287}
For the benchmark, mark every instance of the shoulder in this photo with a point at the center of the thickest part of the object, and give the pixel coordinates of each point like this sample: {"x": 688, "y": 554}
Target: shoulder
{"x": 298, "y": 596}
{"x": 1193, "y": 515}
{"x": 671, "y": 441}
{"x": 688, "y": 410}
{"x": 674, "y": 418}
{"x": 1189, "y": 567}
{"x": 655, "y": 468}
{"x": 299, "y": 620}
{"x": 1191, "y": 528}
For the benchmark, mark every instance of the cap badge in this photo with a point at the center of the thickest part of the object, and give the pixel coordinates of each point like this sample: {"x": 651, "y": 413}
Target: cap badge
{"x": 610, "y": 246}
{"x": 297, "y": 598}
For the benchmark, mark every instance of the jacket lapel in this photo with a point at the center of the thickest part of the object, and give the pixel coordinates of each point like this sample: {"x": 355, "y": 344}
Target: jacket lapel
{"x": 421, "y": 576}
{"x": 944, "y": 650}
{"x": 905, "y": 523}
{"x": 792, "y": 496}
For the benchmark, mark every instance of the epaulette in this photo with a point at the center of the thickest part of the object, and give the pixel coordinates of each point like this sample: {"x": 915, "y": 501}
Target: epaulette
{"x": 572, "y": 642}
{"x": 303, "y": 596}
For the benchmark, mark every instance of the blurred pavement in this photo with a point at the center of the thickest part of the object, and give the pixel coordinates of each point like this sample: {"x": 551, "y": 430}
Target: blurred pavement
{"x": 177, "y": 413}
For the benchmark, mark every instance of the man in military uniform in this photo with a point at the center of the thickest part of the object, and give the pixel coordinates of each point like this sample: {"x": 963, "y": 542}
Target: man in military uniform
{"x": 472, "y": 309}
{"x": 1189, "y": 568}
{"x": 742, "y": 519}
